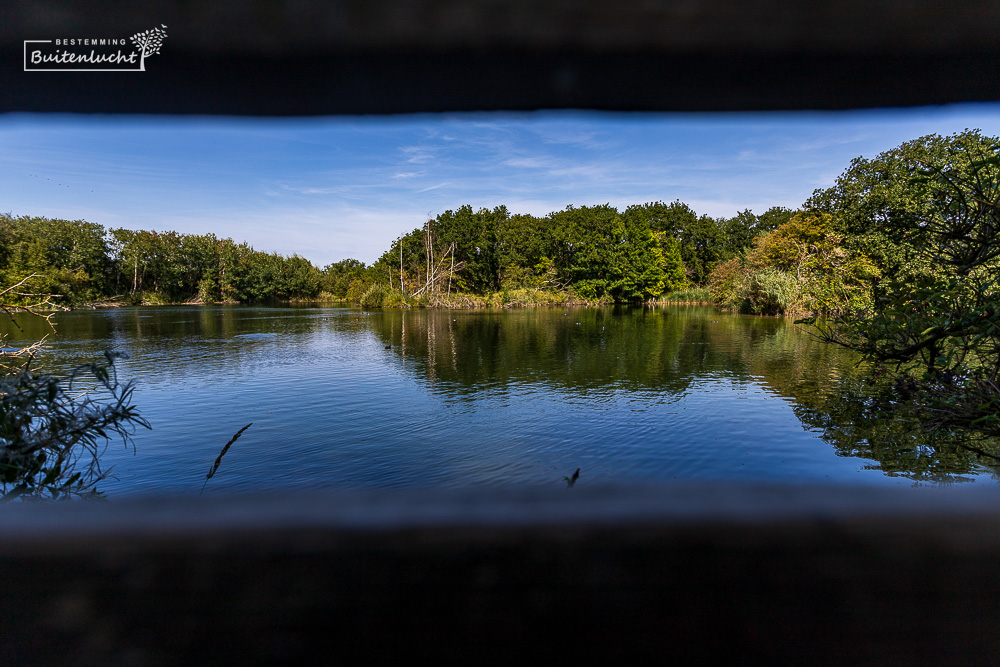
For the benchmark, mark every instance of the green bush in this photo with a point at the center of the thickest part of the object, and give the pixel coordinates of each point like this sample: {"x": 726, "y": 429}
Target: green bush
{"x": 357, "y": 289}
{"x": 395, "y": 299}
{"x": 769, "y": 291}
{"x": 724, "y": 283}
{"x": 374, "y": 296}
{"x": 208, "y": 290}
{"x": 800, "y": 266}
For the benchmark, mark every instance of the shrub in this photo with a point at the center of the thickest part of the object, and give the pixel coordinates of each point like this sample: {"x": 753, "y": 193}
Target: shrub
{"x": 378, "y": 295}
{"x": 208, "y": 290}
{"x": 51, "y": 436}
{"x": 357, "y": 289}
{"x": 51, "y": 440}
{"x": 801, "y": 266}
{"x": 769, "y": 291}
{"x": 374, "y": 296}
{"x": 689, "y": 295}
{"x": 724, "y": 283}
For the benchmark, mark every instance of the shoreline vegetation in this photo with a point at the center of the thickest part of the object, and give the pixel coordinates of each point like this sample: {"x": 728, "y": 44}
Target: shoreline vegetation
{"x": 456, "y": 301}
{"x": 522, "y": 298}
{"x": 590, "y": 255}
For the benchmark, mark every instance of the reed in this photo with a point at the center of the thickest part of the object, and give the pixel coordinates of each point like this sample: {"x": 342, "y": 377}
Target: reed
{"x": 690, "y": 295}
{"x": 218, "y": 460}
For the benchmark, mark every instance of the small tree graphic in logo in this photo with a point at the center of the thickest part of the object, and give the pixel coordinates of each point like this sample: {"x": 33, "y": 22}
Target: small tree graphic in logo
{"x": 148, "y": 42}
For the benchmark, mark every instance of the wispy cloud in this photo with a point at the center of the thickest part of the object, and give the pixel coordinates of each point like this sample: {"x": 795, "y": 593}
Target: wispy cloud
{"x": 334, "y": 188}
{"x": 530, "y": 162}
{"x": 417, "y": 154}
{"x": 590, "y": 140}
{"x": 434, "y": 187}
{"x": 314, "y": 191}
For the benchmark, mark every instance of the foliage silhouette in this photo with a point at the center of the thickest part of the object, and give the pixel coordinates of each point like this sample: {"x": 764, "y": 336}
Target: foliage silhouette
{"x": 51, "y": 438}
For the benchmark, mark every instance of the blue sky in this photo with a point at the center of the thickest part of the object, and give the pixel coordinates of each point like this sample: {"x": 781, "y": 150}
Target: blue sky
{"x": 333, "y": 188}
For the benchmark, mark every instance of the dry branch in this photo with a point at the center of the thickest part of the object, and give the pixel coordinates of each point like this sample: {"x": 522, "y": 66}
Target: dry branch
{"x": 36, "y": 308}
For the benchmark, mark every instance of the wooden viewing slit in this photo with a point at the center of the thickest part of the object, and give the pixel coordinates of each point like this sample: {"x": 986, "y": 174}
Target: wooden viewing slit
{"x": 705, "y": 573}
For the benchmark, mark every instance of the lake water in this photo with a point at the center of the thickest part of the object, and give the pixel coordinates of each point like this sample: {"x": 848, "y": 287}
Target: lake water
{"x": 343, "y": 398}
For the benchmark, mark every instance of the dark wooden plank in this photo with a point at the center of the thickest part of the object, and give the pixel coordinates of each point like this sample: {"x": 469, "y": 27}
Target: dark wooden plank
{"x": 396, "y": 56}
{"x": 693, "y": 573}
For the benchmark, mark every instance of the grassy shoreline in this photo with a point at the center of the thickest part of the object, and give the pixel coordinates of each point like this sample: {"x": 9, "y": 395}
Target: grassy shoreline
{"x": 379, "y": 296}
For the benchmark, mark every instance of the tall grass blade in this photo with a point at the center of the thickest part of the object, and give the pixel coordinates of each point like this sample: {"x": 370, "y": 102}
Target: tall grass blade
{"x": 218, "y": 460}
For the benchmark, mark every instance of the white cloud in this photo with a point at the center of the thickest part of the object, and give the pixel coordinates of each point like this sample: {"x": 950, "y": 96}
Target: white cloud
{"x": 527, "y": 162}
{"x": 417, "y": 154}
{"x": 434, "y": 187}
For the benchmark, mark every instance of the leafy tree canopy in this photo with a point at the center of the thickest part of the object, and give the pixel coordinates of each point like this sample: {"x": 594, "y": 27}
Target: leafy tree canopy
{"x": 940, "y": 319}
{"x": 873, "y": 197}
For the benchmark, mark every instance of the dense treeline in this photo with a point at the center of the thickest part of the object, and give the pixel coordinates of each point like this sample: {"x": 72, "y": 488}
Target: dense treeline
{"x": 586, "y": 253}
{"x": 82, "y": 262}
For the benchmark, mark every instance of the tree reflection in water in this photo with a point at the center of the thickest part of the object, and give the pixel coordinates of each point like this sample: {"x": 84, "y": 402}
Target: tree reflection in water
{"x": 667, "y": 349}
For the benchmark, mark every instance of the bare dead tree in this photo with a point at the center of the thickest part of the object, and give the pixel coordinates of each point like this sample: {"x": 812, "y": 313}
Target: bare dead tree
{"x": 451, "y": 272}
{"x": 436, "y": 275}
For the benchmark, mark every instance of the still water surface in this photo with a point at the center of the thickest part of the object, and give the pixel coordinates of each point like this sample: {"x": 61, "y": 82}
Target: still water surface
{"x": 344, "y": 398}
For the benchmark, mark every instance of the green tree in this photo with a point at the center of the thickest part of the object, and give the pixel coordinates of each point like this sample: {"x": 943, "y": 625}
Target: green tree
{"x": 674, "y": 277}
{"x": 523, "y": 241}
{"x": 702, "y": 247}
{"x": 602, "y": 254}
{"x": 670, "y": 218}
{"x": 771, "y": 219}
{"x": 403, "y": 266}
{"x": 337, "y": 277}
{"x": 938, "y": 326}
{"x": 477, "y": 244}
{"x": 873, "y": 196}
{"x": 70, "y": 257}
{"x": 738, "y": 233}
{"x": 740, "y": 230}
